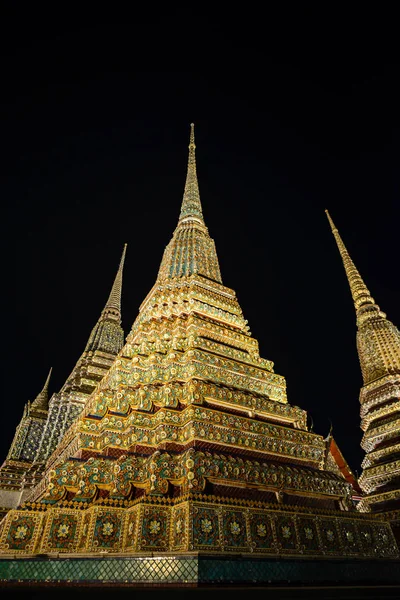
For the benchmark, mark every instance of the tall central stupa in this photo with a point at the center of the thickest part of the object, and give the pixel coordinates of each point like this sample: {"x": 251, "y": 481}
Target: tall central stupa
{"x": 188, "y": 443}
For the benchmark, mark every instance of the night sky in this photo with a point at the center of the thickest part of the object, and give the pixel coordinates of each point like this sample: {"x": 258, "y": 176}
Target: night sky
{"x": 94, "y": 135}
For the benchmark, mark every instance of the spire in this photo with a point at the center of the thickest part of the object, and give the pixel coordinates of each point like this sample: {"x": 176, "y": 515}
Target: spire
{"x": 191, "y": 250}
{"x": 41, "y": 401}
{"x": 107, "y": 335}
{"x": 378, "y": 340}
{"x": 113, "y": 304}
{"x": 365, "y": 306}
{"x": 191, "y": 205}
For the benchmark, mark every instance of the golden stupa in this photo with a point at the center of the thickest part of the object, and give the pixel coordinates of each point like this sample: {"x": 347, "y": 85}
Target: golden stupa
{"x": 181, "y": 441}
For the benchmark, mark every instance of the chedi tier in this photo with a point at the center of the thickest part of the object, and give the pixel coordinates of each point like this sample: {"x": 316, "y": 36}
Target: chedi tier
{"x": 188, "y": 442}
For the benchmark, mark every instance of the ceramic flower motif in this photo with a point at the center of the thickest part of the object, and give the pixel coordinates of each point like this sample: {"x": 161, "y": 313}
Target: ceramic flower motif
{"x": 308, "y": 532}
{"x": 63, "y": 530}
{"x": 286, "y": 532}
{"x": 206, "y": 525}
{"x": 154, "y": 527}
{"x": 261, "y": 530}
{"x": 350, "y": 536}
{"x": 179, "y": 526}
{"x": 235, "y": 528}
{"x": 108, "y": 528}
{"x": 130, "y": 528}
{"x": 21, "y": 532}
{"x": 330, "y": 536}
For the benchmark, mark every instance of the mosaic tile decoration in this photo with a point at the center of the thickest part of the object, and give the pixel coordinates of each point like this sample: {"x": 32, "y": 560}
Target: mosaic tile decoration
{"x": 194, "y": 571}
{"x": 188, "y": 525}
{"x": 21, "y": 531}
{"x": 61, "y": 531}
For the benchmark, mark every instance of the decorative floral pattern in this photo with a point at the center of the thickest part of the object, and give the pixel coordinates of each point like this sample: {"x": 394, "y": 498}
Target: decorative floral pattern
{"x": 330, "y": 536}
{"x": 196, "y": 526}
{"x": 154, "y": 527}
{"x": 192, "y": 468}
{"x": 20, "y": 532}
{"x": 61, "y": 534}
{"x": 332, "y": 542}
{"x": 154, "y": 532}
{"x": 308, "y": 532}
{"x": 382, "y": 541}
{"x": 286, "y": 532}
{"x": 367, "y": 536}
{"x": 107, "y": 529}
{"x": 63, "y": 530}
{"x": 234, "y": 528}
{"x": 261, "y": 529}
{"x": 261, "y": 532}
{"x": 350, "y": 536}
{"x": 206, "y": 526}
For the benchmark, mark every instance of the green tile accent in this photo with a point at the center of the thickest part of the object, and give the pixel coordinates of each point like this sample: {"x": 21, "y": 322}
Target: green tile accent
{"x": 146, "y": 570}
{"x": 199, "y": 570}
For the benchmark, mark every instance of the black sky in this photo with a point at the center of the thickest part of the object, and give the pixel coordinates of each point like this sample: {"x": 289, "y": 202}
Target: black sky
{"x": 94, "y": 132}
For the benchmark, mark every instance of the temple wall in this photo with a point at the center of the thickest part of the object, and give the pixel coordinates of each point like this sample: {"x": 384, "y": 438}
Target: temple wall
{"x": 190, "y": 525}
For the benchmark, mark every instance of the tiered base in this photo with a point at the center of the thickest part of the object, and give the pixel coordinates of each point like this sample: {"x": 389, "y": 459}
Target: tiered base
{"x": 196, "y": 523}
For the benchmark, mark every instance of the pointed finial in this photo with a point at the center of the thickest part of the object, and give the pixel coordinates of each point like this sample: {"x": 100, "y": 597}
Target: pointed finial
{"x": 46, "y": 385}
{"x": 364, "y": 303}
{"x": 114, "y": 299}
{"x": 191, "y": 142}
{"x": 41, "y": 401}
{"x": 102, "y": 337}
{"x": 332, "y": 224}
{"x": 191, "y": 250}
{"x": 191, "y": 205}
